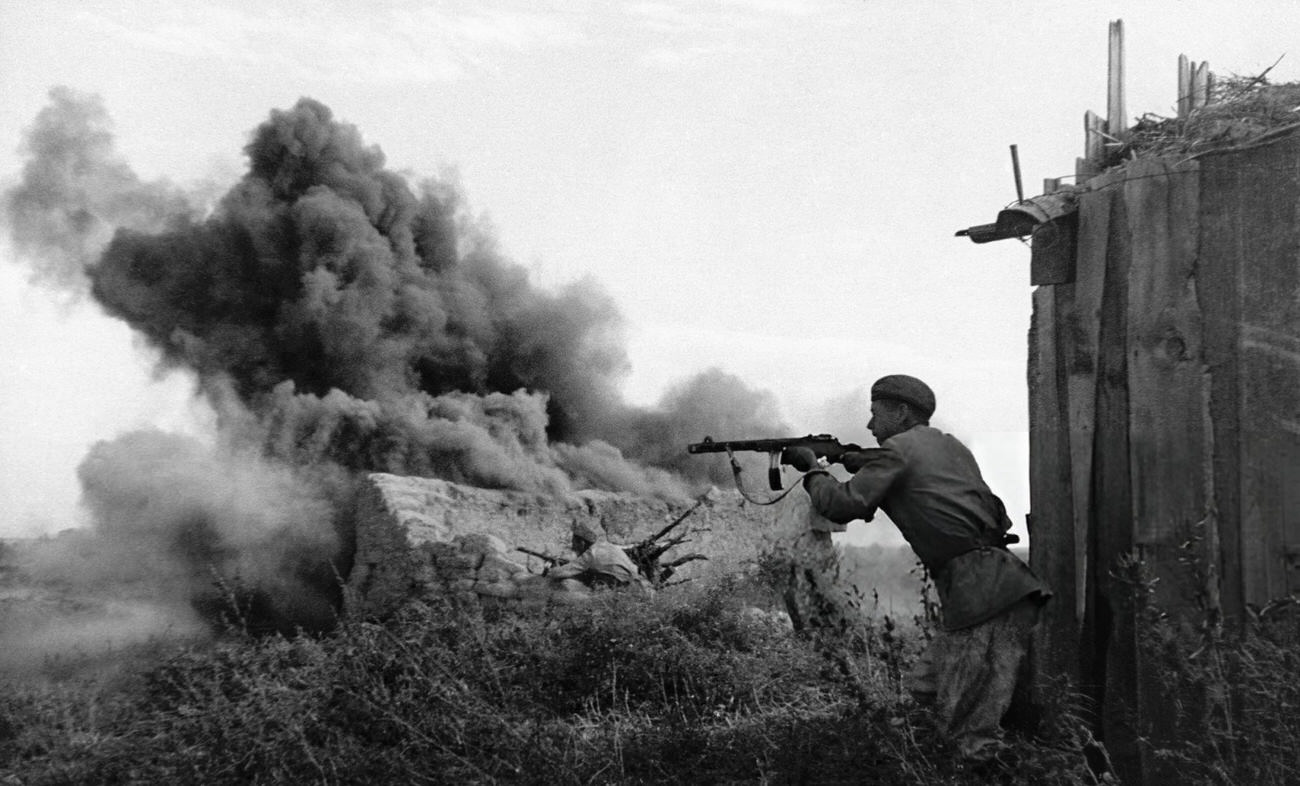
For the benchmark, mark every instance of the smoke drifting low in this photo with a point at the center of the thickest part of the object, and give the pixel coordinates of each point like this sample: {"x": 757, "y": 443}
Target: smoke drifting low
{"x": 166, "y": 504}
{"x": 341, "y": 320}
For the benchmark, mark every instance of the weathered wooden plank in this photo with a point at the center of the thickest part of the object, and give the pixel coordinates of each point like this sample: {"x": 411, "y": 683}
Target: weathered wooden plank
{"x": 1270, "y": 356}
{"x": 1200, "y": 87}
{"x": 1184, "y": 86}
{"x": 1269, "y": 346}
{"x": 1051, "y": 522}
{"x": 1170, "y": 449}
{"x": 1116, "y": 121}
{"x": 1079, "y": 314}
{"x": 1094, "y": 141}
{"x": 1115, "y": 613}
{"x": 1221, "y": 217}
{"x": 1169, "y": 439}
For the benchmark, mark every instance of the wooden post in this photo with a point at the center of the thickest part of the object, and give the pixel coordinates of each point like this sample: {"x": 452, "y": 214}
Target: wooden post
{"x": 1169, "y": 440}
{"x": 1080, "y": 355}
{"x": 1113, "y": 618}
{"x": 1184, "y": 86}
{"x": 1094, "y": 148}
{"x": 1051, "y": 524}
{"x": 1224, "y": 232}
{"x": 1116, "y": 122}
{"x": 1200, "y": 84}
{"x": 1194, "y": 83}
{"x": 1015, "y": 168}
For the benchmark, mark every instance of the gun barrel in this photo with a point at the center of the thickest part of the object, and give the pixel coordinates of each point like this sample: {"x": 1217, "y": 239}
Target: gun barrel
{"x": 822, "y": 445}
{"x": 709, "y": 445}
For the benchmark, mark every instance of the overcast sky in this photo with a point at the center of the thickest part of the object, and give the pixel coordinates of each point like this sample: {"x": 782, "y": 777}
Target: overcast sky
{"x": 766, "y": 186}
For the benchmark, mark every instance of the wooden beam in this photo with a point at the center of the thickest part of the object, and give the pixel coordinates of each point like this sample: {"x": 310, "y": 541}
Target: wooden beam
{"x": 1094, "y": 126}
{"x": 1228, "y": 201}
{"x": 1094, "y": 148}
{"x": 1116, "y": 121}
{"x": 1113, "y": 601}
{"x": 1184, "y": 86}
{"x": 1200, "y": 87}
{"x": 1170, "y": 440}
{"x": 1051, "y": 522}
{"x": 1079, "y": 311}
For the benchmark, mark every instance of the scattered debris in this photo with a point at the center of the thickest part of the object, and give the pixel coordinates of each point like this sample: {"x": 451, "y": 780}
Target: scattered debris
{"x": 1242, "y": 110}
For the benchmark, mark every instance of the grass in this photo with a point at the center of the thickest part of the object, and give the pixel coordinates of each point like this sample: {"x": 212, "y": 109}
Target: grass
{"x": 696, "y": 684}
{"x": 1231, "y": 694}
{"x": 684, "y": 687}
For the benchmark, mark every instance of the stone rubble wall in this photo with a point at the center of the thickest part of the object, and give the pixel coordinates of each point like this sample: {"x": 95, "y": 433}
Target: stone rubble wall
{"x": 421, "y": 536}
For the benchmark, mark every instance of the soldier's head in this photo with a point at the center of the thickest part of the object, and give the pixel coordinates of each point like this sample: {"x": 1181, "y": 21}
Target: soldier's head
{"x": 585, "y": 533}
{"x": 899, "y": 402}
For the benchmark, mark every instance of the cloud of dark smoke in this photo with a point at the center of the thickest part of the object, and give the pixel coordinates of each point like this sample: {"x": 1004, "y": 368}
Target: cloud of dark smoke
{"x": 76, "y": 191}
{"x": 341, "y": 320}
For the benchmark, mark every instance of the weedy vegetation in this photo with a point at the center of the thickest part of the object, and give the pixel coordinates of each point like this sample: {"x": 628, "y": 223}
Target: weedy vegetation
{"x": 697, "y": 684}
{"x": 1229, "y": 691}
{"x": 700, "y": 683}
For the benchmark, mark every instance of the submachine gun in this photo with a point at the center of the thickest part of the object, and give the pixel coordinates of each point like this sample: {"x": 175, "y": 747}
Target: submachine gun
{"x": 823, "y": 445}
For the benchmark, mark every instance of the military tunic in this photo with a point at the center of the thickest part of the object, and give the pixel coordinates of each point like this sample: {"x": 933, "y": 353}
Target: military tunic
{"x": 930, "y": 486}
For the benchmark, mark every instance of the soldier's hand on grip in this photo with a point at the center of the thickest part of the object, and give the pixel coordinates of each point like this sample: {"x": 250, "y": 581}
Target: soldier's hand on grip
{"x": 854, "y": 460}
{"x": 801, "y": 458}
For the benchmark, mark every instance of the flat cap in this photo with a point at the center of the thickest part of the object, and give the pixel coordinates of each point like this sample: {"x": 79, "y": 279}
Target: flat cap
{"x": 588, "y": 531}
{"x": 909, "y": 390}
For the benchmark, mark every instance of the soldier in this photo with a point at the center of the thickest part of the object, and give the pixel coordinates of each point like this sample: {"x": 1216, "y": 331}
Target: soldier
{"x": 599, "y": 562}
{"x": 929, "y": 485}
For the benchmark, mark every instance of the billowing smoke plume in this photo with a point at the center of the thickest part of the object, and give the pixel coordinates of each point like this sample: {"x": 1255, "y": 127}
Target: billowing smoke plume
{"x": 342, "y": 320}
{"x": 76, "y": 191}
{"x": 323, "y": 269}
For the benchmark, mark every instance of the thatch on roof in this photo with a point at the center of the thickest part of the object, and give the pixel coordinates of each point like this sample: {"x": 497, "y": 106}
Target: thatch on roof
{"x": 1241, "y": 110}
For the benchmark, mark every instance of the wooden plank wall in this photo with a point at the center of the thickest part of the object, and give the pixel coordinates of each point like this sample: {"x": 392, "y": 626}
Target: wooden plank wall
{"x": 1250, "y": 295}
{"x": 1165, "y": 420}
{"x": 1116, "y": 366}
{"x": 1164, "y": 382}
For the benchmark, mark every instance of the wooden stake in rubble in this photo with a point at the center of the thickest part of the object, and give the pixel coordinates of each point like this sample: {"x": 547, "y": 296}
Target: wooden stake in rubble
{"x": 647, "y": 553}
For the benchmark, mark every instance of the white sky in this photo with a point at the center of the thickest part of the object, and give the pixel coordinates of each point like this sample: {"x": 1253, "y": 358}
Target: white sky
{"x": 768, "y": 186}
